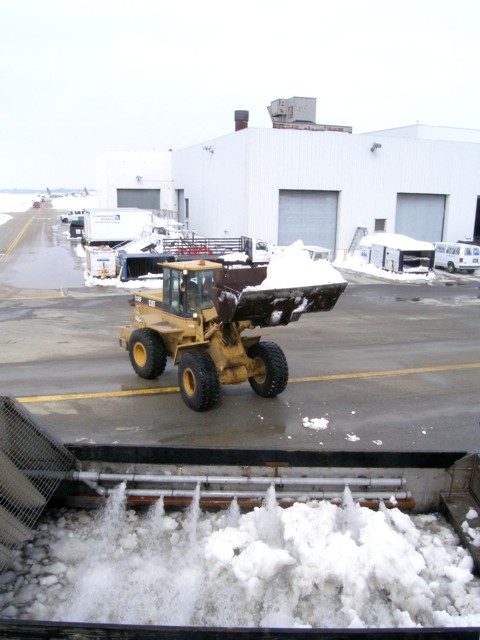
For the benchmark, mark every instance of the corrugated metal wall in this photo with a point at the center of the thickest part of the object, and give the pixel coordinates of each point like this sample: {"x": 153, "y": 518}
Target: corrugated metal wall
{"x": 310, "y": 216}
{"x": 234, "y": 183}
{"x": 139, "y": 198}
{"x": 420, "y": 216}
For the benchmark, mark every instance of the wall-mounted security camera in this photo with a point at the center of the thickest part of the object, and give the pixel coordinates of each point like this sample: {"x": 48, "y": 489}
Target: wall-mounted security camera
{"x": 375, "y": 145}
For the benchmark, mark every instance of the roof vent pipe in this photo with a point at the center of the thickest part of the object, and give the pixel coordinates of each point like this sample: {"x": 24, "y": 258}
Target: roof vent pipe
{"x": 241, "y": 120}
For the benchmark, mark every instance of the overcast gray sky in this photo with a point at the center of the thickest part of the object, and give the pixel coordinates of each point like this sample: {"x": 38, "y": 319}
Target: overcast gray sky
{"x": 81, "y": 77}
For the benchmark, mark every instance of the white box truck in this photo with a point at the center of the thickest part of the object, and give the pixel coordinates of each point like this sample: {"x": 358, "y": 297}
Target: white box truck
{"x": 113, "y": 226}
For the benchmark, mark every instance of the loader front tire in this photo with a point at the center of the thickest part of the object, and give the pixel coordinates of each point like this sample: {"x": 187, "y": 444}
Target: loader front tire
{"x": 198, "y": 380}
{"x": 147, "y": 353}
{"x": 273, "y": 376}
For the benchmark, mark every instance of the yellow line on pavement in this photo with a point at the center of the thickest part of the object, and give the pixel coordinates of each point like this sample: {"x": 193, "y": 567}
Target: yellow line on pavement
{"x": 99, "y": 394}
{"x": 336, "y": 376}
{"x": 394, "y": 372}
{"x": 17, "y": 239}
{"x": 61, "y": 295}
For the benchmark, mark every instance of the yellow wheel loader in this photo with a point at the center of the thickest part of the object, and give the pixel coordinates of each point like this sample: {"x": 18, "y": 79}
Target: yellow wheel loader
{"x": 203, "y": 319}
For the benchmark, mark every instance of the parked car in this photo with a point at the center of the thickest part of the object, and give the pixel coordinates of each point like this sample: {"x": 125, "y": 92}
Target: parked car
{"x": 457, "y": 256}
{"x": 37, "y": 205}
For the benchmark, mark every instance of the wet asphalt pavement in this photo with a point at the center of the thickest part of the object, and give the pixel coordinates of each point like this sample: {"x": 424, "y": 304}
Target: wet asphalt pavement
{"x": 393, "y": 367}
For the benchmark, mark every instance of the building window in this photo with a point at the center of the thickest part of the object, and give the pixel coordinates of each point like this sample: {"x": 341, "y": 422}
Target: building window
{"x": 380, "y": 224}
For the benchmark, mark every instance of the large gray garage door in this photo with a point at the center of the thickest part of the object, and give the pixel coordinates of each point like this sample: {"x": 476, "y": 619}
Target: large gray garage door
{"x": 310, "y": 216}
{"x": 140, "y": 198}
{"x": 420, "y": 216}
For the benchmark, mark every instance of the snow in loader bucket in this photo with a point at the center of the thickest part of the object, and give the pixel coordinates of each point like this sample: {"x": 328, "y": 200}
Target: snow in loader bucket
{"x": 238, "y": 296}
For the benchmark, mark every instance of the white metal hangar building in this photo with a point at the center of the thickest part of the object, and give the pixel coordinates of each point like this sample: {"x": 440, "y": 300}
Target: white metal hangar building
{"x": 308, "y": 181}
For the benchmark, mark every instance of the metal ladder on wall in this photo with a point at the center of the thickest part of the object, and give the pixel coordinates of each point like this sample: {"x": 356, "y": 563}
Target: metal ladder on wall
{"x": 360, "y": 233}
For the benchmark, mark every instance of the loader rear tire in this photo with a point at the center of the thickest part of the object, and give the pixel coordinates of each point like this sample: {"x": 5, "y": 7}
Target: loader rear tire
{"x": 147, "y": 353}
{"x": 274, "y": 369}
{"x": 198, "y": 380}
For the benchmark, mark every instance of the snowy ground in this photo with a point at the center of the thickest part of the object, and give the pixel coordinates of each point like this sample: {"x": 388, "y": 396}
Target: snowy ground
{"x": 313, "y": 564}
{"x": 357, "y": 265}
{"x": 14, "y": 203}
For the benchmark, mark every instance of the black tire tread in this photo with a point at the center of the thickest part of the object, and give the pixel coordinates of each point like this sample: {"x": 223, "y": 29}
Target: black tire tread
{"x": 156, "y": 353}
{"x": 276, "y": 366}
{"x": 207, "y": 390}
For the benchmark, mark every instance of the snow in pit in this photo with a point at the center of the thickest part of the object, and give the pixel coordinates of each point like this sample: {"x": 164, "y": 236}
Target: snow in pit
{"x": 314, "y": 564}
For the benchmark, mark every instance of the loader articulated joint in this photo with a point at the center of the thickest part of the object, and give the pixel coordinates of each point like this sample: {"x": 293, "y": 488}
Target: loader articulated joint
{"x": 229, "y": 335}
{"x": 211, "y": 331}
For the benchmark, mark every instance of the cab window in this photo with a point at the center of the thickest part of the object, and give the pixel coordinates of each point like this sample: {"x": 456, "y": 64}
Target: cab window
{"x": 198, "y": 291}
{"x": 172, "y": 294}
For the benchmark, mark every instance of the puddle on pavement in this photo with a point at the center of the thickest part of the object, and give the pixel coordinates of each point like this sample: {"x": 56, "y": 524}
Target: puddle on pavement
{"x": 54, "y": 268}
{"x": 48, "y": 263}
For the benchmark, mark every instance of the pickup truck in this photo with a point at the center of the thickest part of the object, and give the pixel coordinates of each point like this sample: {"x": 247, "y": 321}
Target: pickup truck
{"x": 72, "y": 216}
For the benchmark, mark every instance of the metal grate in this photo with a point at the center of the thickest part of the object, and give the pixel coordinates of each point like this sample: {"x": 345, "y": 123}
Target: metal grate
{"x": 32, "y": 464}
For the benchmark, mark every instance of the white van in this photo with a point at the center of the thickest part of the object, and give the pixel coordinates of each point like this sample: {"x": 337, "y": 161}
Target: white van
{"x": 456, "y": 256}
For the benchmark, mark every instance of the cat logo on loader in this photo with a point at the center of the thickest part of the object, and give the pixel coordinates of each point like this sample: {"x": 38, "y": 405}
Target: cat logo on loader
{"x": 203, "y": 318}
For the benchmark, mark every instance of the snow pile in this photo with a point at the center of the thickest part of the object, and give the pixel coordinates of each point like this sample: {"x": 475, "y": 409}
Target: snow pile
{"x": 317, "y": 424}
{"x": 473, "y": 532}
{"x": 351, "y": 437}
{"x": 294, "y": 268}
{"x": 149, "y": 281}
{"x": 358, "y": 262}
{"x": 396, "y": 241}
{"x": 234, "y": 257}
{"x": 314, "y": 564}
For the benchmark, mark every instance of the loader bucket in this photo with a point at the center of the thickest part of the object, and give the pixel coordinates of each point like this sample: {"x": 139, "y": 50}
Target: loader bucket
{"x": 236, "y": 298}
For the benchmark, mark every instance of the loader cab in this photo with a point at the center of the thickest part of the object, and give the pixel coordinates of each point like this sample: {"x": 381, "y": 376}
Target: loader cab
{"x": 187, "y": 286}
